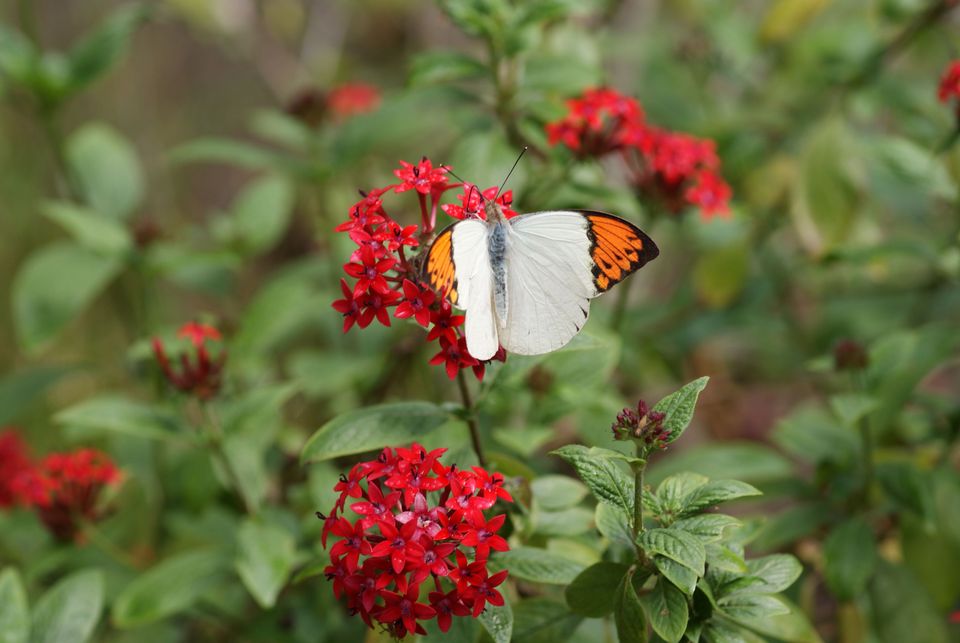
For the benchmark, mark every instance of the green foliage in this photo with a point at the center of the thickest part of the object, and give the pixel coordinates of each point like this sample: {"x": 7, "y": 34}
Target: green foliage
{"x": 136, "y": 200}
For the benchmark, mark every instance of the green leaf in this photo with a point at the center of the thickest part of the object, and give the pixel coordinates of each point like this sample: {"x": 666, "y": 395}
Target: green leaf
{"x": 812, "y": 434}
{"x": 850, "y": 556}
{"x": 89, "y": 229}
{"x": 792, "y": 626}
{"x": 673, "y": 491}
{"x": 103, "y": 47}
{"x": 683, "y": 577}
{"x": 566, "y": 522}
{"x": 776, "y": 572}
{"x": 593, "y": 591}
{"x": 628, "y": 613}
{"x": 790, "y": 525}
{"x": 20, "y": 388}
{"x": 902, "y": 609}
{"x": 946, "y": 497}
{"x": 122, "y": 415}
{"x": 851, "y": 407}
{"x": 666, "y": 609}
{"x": 720, "y": 274}
{"x": 265, "y": 556}
{"x": 613, "y": 524}
{"x": 746, "y": 461}
{"x": 168, "y": 588}
{"x": 18, "y": 58}
{"x": 606, "y": 480}
{"x": 679, "y": 407}
{"x": 722, "y": 557}
{"x": 443, "y": 67}
{"x": 45, "y": 301}
{"x": 70, "y": 610}
{"x": 826, "y": 199}
{"x": 262, "y": 212}
{"x": 554, "y": 492}
{"x": 676, "y": 545}
{"x": 498, "y": 621}
{"x": 707, "y": 527}
{"x": 715, "y": 492}
{"x": 543, "y": 620}
{"x": 14, "y": 612}
{"x": 907, "y": 486}
{"x": 539, "y": 565}
{"x": 235, "y": 153}
{"x": 106, "y": 169}
{"x": 751, "y": 606}
{"x": 373, "y": 428}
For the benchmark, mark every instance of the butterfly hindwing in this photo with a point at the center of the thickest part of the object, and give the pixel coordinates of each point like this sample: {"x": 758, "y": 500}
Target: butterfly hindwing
{"x": 439, "y": 268}
{"x": 474, "y": 277}
{"x": 618, "y": 248}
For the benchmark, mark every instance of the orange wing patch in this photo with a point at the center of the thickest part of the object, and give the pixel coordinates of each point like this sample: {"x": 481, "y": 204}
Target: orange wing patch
{"x": 617, "y": 247}
{"x": 439, "y": 269}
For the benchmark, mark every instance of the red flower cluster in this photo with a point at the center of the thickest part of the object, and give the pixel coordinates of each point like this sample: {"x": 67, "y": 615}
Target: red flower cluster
{"x": 63, "y": 488}
{"x": 676, "y": 168}
{"x": 642, "y": 426}
{"x": 14, "y": 463}
{"x": 401, "y": 538}
{"x": 950, "y": 86}
{"x": 202, "y": 377}
{"x": 384, "y": 277}
{"x": 352, "y": 98}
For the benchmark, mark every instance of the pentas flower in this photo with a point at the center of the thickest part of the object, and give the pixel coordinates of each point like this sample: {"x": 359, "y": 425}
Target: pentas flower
{"x": 382, "y": 277}
{"x": 14, "y": 463}
{"x": 201, "y": 375}
{"x": 65, "y": 490}
{"x": 950, "y": 83}
{"x": 472, "y": 200}
{"x": 352, "y": 98}
{"x": 410, "y": 554}
{"x": 676, "y": 169}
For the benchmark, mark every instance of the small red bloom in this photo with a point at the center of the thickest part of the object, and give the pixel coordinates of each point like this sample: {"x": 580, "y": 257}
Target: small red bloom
{"x": 396, "y": 235}
{"x": 65, "y": 489}
{"x": 593, "y": 122}
{"x": 471, "y": 203}
{"x": 710, "y": 193}
{"x": 370, "y": 272}
{"x": 416, "y": 303}
{"x": 365, "y": 213}
{"x": 413, "y": 535}
{"x": 353, "y": 98}
{"x": 444, "y": 323}
{"x": 375, "y": 304}
{"x": 422, "y": 177}
{"x": 950, "y": 83}
{"x": 454, "y": 356}
{"x": 200, "y": 377}
{"x": 349, "y": 306}
{"x": 14, "y": 463}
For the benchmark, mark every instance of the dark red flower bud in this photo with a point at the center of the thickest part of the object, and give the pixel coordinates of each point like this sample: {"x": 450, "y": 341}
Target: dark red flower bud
{"x": 850, "y": 355}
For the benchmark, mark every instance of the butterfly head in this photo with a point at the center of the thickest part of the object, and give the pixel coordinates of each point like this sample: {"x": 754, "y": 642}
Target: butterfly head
{"x": 493, "y": 211}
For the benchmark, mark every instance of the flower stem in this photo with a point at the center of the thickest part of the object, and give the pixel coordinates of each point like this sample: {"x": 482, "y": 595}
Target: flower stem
{"x": 214, "y": 435}
{"x": 95, "y": 536}
{"x": 866, "y": 437}
{"x": 472, "y": 423}
{"x": 638, "y": 470}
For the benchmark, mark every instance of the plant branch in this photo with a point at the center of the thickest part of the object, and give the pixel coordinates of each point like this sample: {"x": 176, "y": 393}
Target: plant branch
{"x": 472, "y": 423}
{"x": 214, "y": 435}
{"x": 638, "y": 470}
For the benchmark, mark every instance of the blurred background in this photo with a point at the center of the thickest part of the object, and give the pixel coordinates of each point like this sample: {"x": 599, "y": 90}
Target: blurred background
{"x": 189, "y": 160}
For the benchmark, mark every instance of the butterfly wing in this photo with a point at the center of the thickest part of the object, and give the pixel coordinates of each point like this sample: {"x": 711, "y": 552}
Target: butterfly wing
{"x": 458, "y": 262}
{"x": 556, "y": 262}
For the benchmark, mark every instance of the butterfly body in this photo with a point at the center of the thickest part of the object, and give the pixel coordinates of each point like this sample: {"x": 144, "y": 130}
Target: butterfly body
{"x": 526, "y": 283}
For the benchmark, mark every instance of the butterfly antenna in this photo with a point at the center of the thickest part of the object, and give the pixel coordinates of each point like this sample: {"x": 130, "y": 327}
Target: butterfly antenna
{"x": 507, "y": 178}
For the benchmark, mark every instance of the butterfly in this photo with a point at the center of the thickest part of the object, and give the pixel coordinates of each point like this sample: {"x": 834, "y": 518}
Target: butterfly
{"x": 526, "y": 283}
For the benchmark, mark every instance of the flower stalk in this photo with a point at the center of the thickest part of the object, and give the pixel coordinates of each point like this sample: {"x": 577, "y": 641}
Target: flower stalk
{"x": 471, "y": 418}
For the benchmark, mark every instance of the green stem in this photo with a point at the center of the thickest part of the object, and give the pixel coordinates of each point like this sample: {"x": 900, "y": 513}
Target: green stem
{"x": 638, "y": 470}
{"x": 95, "y": 536}
{"x": 214, "y": 435}
{"x": 866, "y": 437}
{"x": 472, "y": 423}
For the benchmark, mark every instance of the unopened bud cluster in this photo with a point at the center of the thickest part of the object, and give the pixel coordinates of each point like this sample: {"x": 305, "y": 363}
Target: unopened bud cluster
{"x": 641, "y": 425}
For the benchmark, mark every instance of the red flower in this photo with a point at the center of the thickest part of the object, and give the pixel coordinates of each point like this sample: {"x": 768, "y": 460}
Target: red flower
{"x": 454, "y": 355}
{"x": 200, "y": 377}
{"x": 400, "y": 540}
{"x": 950, "y": 83}
{"x": 396, "y": 235}
{"x": 349, "y": 306}
{"x": 422, "y": 177}
{"x": 445, "y": 323}
{"x": 471, "y": 203}
{"x": 65, "y": 489}
{"x": 593, "y": 122}
{"x": 353, "y": 98}
{"x": 375, "y": 304}
{"x": 370, "y": 272}
{"x": 416, "y": 303}
{"x": 710, "y": 193}
{"x": 365, "y": 213}
{"x": 14, "y": 463}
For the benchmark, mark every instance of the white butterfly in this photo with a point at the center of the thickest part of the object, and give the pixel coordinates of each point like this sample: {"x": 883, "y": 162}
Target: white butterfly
{"x": 526, "y": 283}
